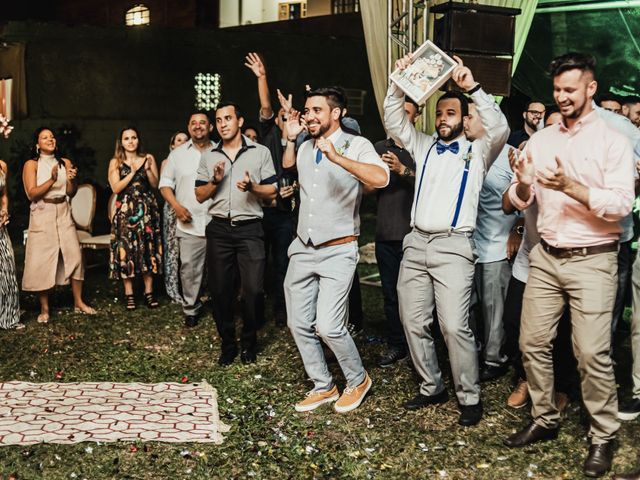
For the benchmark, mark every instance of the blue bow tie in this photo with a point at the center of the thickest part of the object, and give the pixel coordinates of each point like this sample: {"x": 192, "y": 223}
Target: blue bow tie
{"x": 442, "y": 147}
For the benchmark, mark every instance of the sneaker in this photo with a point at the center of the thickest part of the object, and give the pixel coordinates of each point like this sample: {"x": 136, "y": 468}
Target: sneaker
{"x": 630, "y": 410}
{"x": 351, "y": 398}
{"x": 562, "y": 402}
{"x": 314, "y": 399}
{"x": 392, "y": 356}
{"x": 520, "y": 395}
{"x": 354, "y": 330}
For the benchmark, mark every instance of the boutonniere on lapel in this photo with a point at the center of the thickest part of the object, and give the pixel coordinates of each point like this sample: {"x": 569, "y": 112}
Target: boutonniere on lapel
{"x": 467, "y": 157}
{"x": 345, "y": 146}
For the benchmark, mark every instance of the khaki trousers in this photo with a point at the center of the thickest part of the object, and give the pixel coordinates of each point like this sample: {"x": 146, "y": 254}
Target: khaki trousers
{"x": 588, "y": 284}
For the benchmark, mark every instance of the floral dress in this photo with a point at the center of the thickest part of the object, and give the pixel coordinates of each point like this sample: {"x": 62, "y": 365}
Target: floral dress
{"x": 9, "y": 294}
{"x": 171, "y": 260}
{"x": 136, "y": 239}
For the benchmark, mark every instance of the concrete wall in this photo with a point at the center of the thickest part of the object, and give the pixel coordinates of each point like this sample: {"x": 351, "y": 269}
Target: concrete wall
{"x": 101, "y": 79}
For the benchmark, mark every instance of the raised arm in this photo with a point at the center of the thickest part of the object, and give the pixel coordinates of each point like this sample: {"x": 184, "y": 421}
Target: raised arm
{"x": 295, "y": 126}
{"x": 254, "y": 63}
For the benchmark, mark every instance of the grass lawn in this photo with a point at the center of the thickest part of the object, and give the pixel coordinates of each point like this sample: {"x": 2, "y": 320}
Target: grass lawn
{"x": 267, "y": 438}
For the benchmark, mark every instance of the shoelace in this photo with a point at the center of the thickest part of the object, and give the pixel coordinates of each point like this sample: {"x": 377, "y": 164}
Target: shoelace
{"x": 348, "y": 390}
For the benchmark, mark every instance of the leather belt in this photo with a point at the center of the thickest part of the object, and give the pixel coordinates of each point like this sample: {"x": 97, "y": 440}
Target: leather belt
{"x": 54, "y": 200}
{"x": 338, "y": 241}
{"x": 235, "y": 223}
{"x": 578, "y": 251}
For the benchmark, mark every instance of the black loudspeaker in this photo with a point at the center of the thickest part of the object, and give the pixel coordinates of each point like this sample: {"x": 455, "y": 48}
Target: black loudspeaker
{"x": 483, "y": 36}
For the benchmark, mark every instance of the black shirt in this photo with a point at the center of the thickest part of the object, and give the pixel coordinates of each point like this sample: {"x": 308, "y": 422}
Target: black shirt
{"x": 516, "y": 138}
{"x": 396, "y": 199}
{"x": 271, "y": 136}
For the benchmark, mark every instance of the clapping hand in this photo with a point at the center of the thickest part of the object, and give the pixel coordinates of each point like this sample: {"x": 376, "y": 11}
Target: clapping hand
{"x": 286, "y": 192}
{"x": 138, "y": 163}
{"x": 54, "y": 173}
{"x": 254, "y": 63}
{"x": 395, "y": 165}
{"x": 72, "y": 172}
{"x": 218, "y": 172}
{"x": 462, "y": 75}
{"x": 295, "y": 124}
{"x": 554, "y": 179}
{"x": 245, "y": 185}
{"x": 525, "y": 169}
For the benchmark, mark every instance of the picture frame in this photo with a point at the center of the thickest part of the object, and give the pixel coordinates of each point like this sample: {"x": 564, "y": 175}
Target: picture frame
{"x": 430, "y": 69}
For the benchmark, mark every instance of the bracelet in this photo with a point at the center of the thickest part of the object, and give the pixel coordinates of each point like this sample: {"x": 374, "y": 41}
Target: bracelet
{"x": 292, "y": 141}
{"x": 474, "y": 89}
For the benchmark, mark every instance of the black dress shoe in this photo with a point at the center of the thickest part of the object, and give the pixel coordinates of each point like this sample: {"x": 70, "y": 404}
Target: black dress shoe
{"x": 628, "y": 476}
{"x": 470, "y": 414}
{"x": 531, "y": 434}
{"x": 491, "y": 372}
{"x": 227, "y": 357}
{"x": 599, "y": 460}
{"x": 248, "y": 356}
{"x": 392, "y": 356}
{"x": 190, "y": 321}
{"x": 421, "y": 401}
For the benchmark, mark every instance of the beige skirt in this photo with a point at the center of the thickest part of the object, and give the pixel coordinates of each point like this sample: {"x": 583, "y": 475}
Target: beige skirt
{"x": 52, "y": 255}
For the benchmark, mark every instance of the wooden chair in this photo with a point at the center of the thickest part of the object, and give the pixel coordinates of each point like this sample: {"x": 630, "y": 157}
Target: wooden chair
{"x": 83, "y": 209}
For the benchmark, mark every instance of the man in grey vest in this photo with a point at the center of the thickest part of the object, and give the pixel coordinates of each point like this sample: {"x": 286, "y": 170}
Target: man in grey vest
{"x": 437, "y": 267}
{"x": 332, "y": 166}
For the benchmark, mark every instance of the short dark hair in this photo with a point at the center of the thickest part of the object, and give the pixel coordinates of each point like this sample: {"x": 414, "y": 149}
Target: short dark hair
{"x": 572, "y": 61}
{"x": 408, "y": 99}
{"x": 336, "y": 96}
{"x": 461, "y": 97}
{"x": 199, "y": 112}
{"x": 235, "y": 106}
{"x": 630, "y": 100}
{"x": 550, "y": 111}
{"x": 533, "y": 101}
{"x": 608, "y": 97}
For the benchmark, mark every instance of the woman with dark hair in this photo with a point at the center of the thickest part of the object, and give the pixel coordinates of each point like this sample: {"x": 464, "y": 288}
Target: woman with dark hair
{"x": 9, "y": 293}
{"x": 52, "y": 255}
{"x": 136, "y": 241}
{"x": 169, "y": 241}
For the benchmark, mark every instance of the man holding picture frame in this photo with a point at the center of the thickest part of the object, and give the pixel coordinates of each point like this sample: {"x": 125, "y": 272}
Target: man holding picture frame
{"x": 437, "y": 268}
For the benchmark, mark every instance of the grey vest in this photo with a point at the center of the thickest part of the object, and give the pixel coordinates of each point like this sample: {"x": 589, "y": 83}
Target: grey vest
{"x": 329, "y": 196}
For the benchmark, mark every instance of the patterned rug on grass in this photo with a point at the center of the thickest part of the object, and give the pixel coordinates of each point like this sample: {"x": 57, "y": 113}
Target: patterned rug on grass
{"x": 106, "y": 412}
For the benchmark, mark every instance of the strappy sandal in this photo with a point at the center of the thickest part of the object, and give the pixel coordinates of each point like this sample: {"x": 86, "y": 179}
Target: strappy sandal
{"x": 130, "y": 302}
{"x": 150, "y": 300}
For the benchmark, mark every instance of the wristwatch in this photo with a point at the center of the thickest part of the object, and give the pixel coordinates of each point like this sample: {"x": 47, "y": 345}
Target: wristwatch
{"x": 406, "y": 172}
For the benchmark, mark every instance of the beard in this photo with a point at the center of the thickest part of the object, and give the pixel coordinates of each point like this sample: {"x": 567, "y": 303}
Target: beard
{"x": 533, "y": 124}
{"x": 322, "y": 129}
{"x": 456, "y": 130}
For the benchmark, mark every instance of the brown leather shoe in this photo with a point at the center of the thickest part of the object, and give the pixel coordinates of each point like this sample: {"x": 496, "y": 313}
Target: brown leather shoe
{"x": 520, "y": 395}
{"x": 531, "y": 434}
{"x": 599, "y": 460}
{"x": 635, "y": 475}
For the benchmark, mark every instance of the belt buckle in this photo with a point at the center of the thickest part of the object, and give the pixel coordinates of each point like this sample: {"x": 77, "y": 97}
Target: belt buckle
{"x": 232, "y": 223}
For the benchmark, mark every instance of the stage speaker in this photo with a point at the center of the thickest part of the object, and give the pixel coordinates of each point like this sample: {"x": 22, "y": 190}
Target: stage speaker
{"x": 483, "y": 36}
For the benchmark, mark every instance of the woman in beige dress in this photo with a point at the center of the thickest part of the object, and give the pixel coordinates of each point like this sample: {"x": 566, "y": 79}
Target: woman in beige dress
{"x": 52, "y": 254}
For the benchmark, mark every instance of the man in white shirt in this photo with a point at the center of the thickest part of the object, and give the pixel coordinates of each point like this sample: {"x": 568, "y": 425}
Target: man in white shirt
{"x": 438, "y": 264}
{"x": 176, "y": 186}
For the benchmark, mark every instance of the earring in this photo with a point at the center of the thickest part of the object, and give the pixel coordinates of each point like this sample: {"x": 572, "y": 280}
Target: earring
{"x": 37, "y": 149}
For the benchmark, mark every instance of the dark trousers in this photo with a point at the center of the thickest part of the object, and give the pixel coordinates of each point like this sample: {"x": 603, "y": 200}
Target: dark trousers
{"x": 564, "y": 363}
{"x": 232, "y": 249}
{"x": 389, "y": 256}
{"x": 278, "y": 235}
{"x": 624, "y": 284}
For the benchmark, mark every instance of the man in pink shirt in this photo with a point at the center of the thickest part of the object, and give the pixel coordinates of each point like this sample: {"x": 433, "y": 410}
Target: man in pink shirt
{"x": 580, "y": 173}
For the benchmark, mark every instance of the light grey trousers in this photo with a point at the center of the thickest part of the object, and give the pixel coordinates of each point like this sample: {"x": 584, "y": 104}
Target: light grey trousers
{"x": 437, "y": 270}
{"x": 193, "y": 252}
{"x": 635, "y": 326}
{"x": 491, "y": 282}
{"x": 316, "y": 291}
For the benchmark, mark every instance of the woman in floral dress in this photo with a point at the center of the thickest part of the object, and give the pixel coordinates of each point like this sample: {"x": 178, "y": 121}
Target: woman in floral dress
{"x": 136, "y": 240}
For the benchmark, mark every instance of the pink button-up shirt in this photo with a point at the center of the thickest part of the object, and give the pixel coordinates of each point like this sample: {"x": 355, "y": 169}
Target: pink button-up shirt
{"x": 599, "y": 158}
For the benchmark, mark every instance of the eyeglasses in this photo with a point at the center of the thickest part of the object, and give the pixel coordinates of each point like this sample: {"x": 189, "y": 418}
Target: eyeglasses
{"x": 536, "y": 113}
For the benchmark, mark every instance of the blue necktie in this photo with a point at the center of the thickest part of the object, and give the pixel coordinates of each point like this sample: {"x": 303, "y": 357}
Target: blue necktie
{"x": 443, "y": 147}
{"x": 318, "y": 156}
